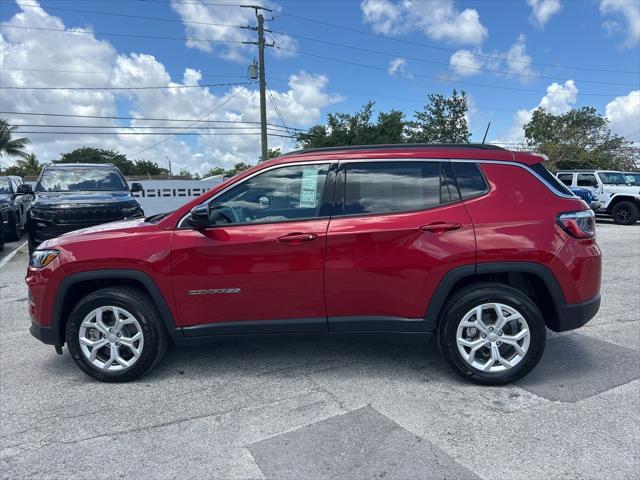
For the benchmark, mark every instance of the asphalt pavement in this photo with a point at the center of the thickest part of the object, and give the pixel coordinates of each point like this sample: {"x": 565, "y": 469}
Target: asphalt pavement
{"x": 320, "y": 407}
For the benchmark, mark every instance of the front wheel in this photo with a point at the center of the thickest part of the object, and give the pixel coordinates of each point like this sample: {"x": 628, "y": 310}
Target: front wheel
{"x": 625, "y": 213}
{"x": 492, "y": 334}
{"x": 115, "y": 334}
{"x": 14, "y": 228}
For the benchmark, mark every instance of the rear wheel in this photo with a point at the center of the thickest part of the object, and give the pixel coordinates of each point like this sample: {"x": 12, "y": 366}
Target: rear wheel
{"x": 492, "y": 334}
{"x": 115, "y": 334}
{"x": 625, "y": 213}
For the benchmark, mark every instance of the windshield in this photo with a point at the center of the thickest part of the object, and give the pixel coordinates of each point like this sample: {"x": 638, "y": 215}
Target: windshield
{"x": 75, "y": 179}
{"x": 612, "y": 178}
{"x": 4, "y": 186}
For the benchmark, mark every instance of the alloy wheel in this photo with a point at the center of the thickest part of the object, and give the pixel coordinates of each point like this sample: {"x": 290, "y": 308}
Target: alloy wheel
{"x": 111, "y": 338}
{"x": 493, "y": 337}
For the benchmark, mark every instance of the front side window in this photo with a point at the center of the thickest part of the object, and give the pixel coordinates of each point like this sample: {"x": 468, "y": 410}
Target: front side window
{"x": 282, "y": 194}
{"x": 587, "y": 180}
{"x": 388, "y": 187}
{"x": 80, "y": 179}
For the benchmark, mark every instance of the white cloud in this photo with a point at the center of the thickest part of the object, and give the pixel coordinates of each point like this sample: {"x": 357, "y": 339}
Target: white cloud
{"x": 213, "y": 29}
{"x": 629, "y": 10}
{"x": 398, "y": 66}
{"x": 514, "y": 61}
{"x": 623, "y": 114}
{"x": 559, "y": 99}
{"x": 300, "y": 103}
{"x": 543, "y": 10}
{"x": 439, "y": 20}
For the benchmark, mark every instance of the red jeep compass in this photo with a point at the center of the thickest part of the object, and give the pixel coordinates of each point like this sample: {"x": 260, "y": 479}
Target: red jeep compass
{"x": 477, "y": 244}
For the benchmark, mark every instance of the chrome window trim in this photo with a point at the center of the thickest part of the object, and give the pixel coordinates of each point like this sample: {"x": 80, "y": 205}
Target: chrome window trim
{"x": 371, "y": 160}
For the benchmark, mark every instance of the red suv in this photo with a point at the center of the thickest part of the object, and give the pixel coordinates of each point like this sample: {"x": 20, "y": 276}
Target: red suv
{"x": 479, "y": 245}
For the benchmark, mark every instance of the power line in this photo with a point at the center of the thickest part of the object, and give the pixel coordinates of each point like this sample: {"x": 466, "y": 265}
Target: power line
{"x": 155, "y": 119}
{"x": 126, "y": 15}
{"x": 275, "y": 107}
{"x": 193, "y": 124}
{"x": 152, "y": 133}
{"x": 164, "y": 87}
{"x": 112, "y": 73}
{"x": 436, "y": 47}
{"x": 447, "y": 64}
{"x": 133, "y": 127}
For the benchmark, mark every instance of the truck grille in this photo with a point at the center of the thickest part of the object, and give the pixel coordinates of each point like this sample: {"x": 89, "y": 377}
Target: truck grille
{"x": 584, "y": 195}
{"x": 88, "y": 215}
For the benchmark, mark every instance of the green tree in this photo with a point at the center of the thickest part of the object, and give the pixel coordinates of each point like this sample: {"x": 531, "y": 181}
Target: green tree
{"x": 9, "y": 146}
{"x": 442, "y": 120}
{"x": 580, "y": 138}
{"x": 126, "y": 166}
{"x": 237, "y": 168}
{"x": 29, "y": 165}
{"x": 273, "y": 153}
{"x": 355, "y": 129}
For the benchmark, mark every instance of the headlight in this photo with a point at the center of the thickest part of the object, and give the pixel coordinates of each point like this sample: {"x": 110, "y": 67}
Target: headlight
{"x": 38, "y": 214}
{"x": 42, "y": 258}
{"x": 4, "y": 206}
{"x": 129, "y": 211}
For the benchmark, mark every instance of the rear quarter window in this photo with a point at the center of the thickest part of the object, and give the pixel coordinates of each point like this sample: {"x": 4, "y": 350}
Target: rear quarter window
{"x": 556, "y": 185}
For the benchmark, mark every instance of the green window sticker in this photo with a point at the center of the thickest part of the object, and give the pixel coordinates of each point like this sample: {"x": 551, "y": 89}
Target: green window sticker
{"x": 309, "y": 188}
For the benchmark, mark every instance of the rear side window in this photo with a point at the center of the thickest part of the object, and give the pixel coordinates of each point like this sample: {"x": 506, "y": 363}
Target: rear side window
{"x": 388, "y": 187}
{"x": 469, "y": 178}
{"x": 566, "y": 178}
{"x": 587, "y": 180}
{"x": 555, "y": 184}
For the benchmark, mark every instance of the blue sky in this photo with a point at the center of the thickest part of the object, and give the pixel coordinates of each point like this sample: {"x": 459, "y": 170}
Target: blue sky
{"x": 439, "y": 45}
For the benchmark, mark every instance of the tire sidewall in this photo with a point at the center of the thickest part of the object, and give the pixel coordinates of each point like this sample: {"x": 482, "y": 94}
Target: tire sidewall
{"x": 141, "y": 310}
{"x": 507, "y": 296}
{"x": 632, "y": 208}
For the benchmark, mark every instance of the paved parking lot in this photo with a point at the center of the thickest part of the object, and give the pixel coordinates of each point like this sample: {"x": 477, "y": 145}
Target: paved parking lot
{"x": 293, "y": 408}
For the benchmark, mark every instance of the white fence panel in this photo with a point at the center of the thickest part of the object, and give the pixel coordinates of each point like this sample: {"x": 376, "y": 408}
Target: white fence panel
{"x": 161, "y": 196}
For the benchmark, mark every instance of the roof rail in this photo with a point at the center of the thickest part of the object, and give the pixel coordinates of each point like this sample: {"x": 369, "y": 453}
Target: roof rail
{"x": 483, "y": 146}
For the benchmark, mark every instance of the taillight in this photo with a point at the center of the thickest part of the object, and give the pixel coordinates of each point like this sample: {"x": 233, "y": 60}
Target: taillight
{"x": 580, "y": 224}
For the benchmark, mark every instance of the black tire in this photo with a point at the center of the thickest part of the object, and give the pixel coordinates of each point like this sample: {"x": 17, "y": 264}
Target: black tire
{"x": 625, "y": 213}
{"x": 475, "y": 295}
{"x": 13, "y": 233}
{"x": 141, "y": 307}
{"x": 31, "y": 244}
{"x": 1, "y": 236}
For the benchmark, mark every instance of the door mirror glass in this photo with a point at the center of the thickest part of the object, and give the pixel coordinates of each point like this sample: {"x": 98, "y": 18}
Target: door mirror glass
{"x": 136, "y": 187}
{"x": 25, "y": 189}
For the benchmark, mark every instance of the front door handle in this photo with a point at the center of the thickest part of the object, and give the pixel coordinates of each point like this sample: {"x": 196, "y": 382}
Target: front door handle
{"x": 297, "y": 238}
{"x": 441, "y": 227}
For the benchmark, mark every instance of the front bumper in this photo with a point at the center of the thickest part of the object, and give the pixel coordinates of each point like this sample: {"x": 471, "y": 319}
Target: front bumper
{"x": 574, "y": 315}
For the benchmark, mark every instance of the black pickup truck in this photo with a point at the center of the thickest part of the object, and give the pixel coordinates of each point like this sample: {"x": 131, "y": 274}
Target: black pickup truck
{"x": 72, "y": 196}
{"x": 15, "y": 201}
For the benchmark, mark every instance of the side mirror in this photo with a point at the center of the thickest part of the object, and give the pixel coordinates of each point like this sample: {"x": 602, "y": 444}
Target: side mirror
{"x": 200, "y": 217}
{"x": 136, "y": 187}
{"x": 24, "y": 189}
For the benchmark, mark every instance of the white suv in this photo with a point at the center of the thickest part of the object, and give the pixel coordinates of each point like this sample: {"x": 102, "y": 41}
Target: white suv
{"x": 617, "y": 197}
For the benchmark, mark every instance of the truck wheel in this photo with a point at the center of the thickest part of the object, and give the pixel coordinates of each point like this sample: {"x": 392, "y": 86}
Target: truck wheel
{"x": 1, "y": 236}
{"x": 491, "y": 334}
{"x": 115, "y": 334}
{"x": 625, "y": 213}
{"x": 14, "y": 228}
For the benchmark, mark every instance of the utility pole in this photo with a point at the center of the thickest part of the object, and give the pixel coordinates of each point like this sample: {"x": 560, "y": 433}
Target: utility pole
{"x": 263, "y": 82}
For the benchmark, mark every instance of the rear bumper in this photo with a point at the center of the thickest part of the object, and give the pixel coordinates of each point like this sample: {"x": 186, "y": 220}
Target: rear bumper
{"x": 574, "y": 315}
{"x": 44, "y": 334}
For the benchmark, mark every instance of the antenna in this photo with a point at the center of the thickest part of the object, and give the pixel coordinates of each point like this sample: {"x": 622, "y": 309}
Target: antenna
{"x": 485, "y": 132}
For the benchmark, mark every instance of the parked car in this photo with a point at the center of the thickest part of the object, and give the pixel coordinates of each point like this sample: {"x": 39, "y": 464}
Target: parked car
{"x": 15, "y": 202}
{"x": 616, "y": 196}
{"x": 72, "y": 196}
{"x": 587, "y": 196}
{"x": 478, "y": 245}
{"x": 632, "y": 178}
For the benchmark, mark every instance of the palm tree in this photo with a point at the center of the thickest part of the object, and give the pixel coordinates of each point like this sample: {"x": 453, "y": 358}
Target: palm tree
{"x": 11, "y": 147}
{"x": 29, "y": 165}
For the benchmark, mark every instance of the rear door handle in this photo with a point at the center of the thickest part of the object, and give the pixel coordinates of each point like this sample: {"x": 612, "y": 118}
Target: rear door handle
{"x": 441, "y": 227}
{"x": 297, "y": 238}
